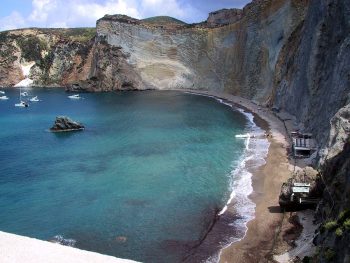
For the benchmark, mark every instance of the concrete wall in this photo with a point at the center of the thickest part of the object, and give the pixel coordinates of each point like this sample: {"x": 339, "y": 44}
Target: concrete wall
{"x": 18, "y": 249}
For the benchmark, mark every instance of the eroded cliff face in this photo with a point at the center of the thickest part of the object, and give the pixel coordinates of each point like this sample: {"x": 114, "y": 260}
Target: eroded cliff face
{"x": 109, "y": 70}
{"x": 312, "y": 79}
{"x": 238, "y": 58}
{"x": 334, "y": 211}
{"x": 234, "y": 51}
{"x": 61, "y": 56}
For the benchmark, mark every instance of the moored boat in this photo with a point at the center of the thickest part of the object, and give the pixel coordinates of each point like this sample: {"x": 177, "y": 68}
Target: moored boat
{"x": 74, "y": 97}
{"x": 21, "y": 103}
{"x": 34, "y": 99}
{"x": 243, "y": 135}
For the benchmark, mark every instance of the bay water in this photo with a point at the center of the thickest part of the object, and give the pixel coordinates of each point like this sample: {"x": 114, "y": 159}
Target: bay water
{"x": 145, "y": 180}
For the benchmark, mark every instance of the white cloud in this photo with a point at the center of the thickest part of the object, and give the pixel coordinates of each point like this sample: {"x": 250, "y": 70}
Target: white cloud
{"x": 95, "y": 11}
{"x": 42, "y": 9}
{"x": 70, "y": 13}
{"x": 168, "y": 8}
{"x": 75, "y": 13}
{"x": 13, "y": 21}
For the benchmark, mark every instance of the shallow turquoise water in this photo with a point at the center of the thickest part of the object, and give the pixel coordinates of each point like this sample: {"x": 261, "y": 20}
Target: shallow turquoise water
{"x": 143, "y": 181}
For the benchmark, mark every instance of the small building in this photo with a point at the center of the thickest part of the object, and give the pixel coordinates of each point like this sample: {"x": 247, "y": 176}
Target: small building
{"x": 303, "y": 144}
{"x": 296, "y": 195}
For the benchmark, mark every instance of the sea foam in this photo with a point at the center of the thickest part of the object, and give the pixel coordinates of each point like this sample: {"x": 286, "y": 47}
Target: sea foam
{"x": 256, "y": 149}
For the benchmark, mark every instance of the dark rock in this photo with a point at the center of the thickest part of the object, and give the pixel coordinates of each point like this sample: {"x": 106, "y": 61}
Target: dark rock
{"x": 110, "y": 71}
{"x": 64, "y": 124}
{"x": 63, "y": 241}
{"x": 76, "y": 87}
{"x": 224, "y": 17}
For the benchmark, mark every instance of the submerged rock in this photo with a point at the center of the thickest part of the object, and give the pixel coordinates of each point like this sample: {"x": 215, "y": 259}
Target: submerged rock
{"x": 64, "y": 124}
{"x": 63, "y": 241}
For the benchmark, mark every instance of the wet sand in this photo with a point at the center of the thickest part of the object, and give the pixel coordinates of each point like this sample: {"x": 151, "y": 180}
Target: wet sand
{"x": 259, "y": 241}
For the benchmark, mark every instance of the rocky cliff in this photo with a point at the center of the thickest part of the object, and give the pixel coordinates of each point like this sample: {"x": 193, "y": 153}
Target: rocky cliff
{"x": 61, "y": 56}
{"x": 234, "y": 51}
{"x": 312, "y": 80}
{"x": 290, "y": 54}
{"x": 334, "y": 211}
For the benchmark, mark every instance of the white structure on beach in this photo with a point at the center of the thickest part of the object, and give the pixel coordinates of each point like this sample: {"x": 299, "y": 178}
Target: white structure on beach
{"x": 14, "y": 249}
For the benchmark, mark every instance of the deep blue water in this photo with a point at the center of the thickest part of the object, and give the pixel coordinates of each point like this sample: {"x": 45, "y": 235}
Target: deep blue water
{"x": 143, "y": 181}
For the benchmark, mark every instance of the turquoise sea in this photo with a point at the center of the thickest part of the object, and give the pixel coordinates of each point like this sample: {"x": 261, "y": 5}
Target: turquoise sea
{"x": 144, "y": 181}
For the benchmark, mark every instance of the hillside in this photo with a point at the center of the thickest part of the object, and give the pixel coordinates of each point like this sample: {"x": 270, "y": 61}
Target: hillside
{"x": 163, "y": 20}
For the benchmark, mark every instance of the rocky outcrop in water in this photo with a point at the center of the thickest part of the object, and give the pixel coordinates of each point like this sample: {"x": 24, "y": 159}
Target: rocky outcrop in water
{"x": 65, "y": 124}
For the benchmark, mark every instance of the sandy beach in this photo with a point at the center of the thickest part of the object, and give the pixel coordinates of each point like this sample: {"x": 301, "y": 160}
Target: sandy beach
{"x": 258, "y": 244}
{"x": 260, "y": 239}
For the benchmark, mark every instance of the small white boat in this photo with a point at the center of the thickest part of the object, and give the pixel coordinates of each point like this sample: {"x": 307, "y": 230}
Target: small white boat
{"x": 243, "y": 135}
{"x": 74, "y": 97}
{"x": 34, "y": 99}
{"x": 4, "y": 98}
{"x": 22, "y": 104}
{"x": 2, "y": 92}
{"x": 24, "y": 93}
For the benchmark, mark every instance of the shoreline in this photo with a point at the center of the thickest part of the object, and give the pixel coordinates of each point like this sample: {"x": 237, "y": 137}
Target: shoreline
{"x": 260, "y": 237}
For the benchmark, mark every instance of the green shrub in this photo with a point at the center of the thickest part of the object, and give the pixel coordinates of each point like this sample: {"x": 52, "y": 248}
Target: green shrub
{"x": 346, "y": 224}
{"x": 46, "y": 62}
{"x": 329, "y": 254}
{"x": 330, "y": 225}
{"x": 339, "y": 232}
{"x": 3, "y": 36}
{"x": 31, "y": 47}
{"x": 79, "y": 34}
{"x": 344, "y": 215}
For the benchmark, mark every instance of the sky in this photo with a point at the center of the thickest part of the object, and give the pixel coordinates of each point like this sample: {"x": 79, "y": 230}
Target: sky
{"x": 84, "y": 13}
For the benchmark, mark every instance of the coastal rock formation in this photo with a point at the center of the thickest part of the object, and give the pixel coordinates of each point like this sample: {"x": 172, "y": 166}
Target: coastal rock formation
{"x": 238, "y": 58}
{"x": 233, "y": 51}
{"x": 334, "y": 210}
{"x": 339, "y": 133}
{"x": 312, "y": 73}
{"x": 224, "y": 17}
{"x": 64, "y": 124}
{"x": 109, "y": 71}
{"x": 61, "y": 56}
{"x": 292, "y": 55}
